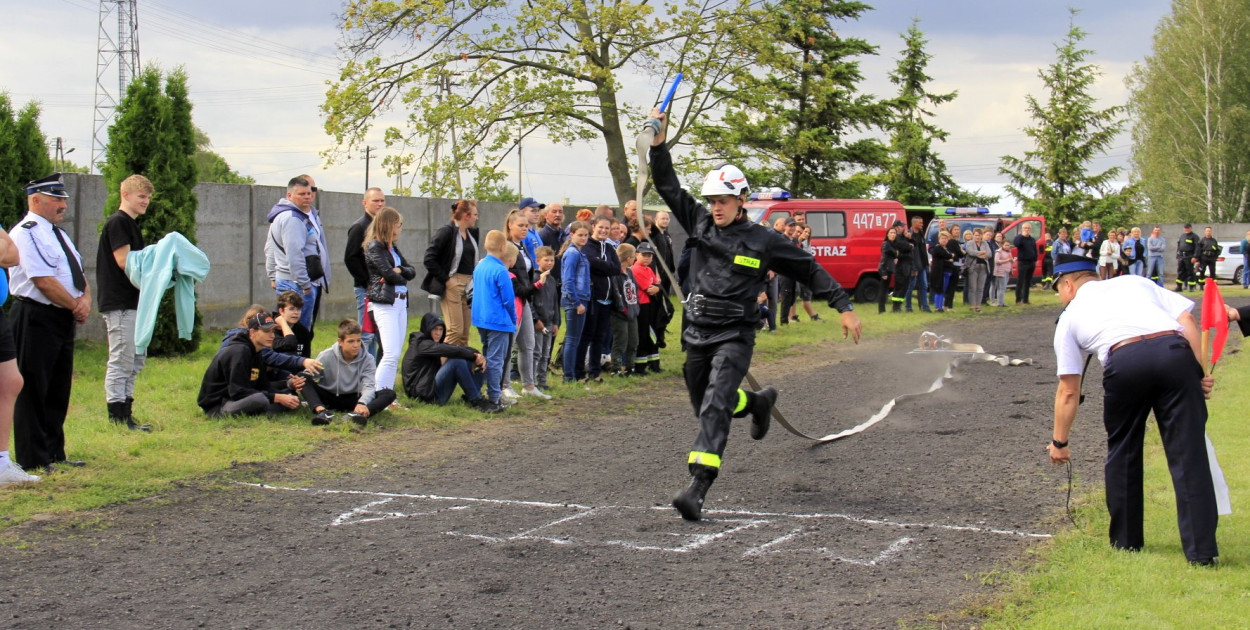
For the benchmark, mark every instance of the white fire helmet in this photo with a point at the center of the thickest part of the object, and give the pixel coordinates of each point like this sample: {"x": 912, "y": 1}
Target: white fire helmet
{"x": 726, "y": 180}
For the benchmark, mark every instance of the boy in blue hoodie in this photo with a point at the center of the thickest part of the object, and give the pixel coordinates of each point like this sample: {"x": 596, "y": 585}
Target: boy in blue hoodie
{"x": 494, "y": 311}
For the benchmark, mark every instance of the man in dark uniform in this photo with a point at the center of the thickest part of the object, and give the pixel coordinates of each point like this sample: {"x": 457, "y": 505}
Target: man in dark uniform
{"x": 729, "y": 262}
{"x": 1149, "y": 353}
{"x": 1209, "y": 251}
{"x": 1186, "y": 258}
{"x": 51, "y": 297}
{"x": 920, "y": 263}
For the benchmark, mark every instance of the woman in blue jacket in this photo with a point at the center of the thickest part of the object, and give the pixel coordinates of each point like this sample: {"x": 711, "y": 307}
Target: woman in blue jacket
{"x": 574, "y": 297}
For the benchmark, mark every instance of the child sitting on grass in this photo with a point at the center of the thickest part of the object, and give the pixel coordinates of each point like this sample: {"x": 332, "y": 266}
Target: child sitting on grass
{"x": 347, "y": 380}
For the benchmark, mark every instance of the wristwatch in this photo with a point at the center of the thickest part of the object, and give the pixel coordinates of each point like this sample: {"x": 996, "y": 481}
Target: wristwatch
{"x": 1058, "y": 444}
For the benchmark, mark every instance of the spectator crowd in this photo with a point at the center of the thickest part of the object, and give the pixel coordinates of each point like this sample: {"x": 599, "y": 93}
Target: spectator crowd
{"x": 608, "y": 282}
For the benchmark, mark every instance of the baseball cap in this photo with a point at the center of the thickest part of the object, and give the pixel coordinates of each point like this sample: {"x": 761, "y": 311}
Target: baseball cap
{"x": 261, "y": 321}
{"x": 530, "y": 201}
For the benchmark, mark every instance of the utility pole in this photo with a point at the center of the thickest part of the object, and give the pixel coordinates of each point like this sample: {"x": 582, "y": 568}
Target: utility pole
{"x": 367, "y": 155}
{"x": 59, "y": 153}
{"x": 518, "y": 171}
{"x": 121, "y": 46}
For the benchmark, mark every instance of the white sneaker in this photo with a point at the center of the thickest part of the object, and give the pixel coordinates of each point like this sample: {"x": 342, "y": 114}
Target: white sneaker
{"x": 13, "y": 473}
{"x": 534, "y": 391}
{"x": 510, "y": 394}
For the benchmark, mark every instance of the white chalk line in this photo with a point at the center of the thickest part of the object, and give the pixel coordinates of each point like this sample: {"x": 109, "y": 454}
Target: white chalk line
{"x": 698, "y": 542}
{"x": 585, "y": 510}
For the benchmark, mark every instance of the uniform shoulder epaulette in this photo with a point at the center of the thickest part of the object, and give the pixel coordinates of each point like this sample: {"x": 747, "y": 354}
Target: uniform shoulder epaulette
{"x": 29, "y": 224}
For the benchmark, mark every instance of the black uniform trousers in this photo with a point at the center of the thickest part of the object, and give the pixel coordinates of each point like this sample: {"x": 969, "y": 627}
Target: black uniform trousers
{"x": 1206, "y": 268}
{"x": 45, "y": 357}
{"x": 1185, "y": 273}
{"x": 1159, "y": 375}
{"x": 1024, "y": 269}
{"x": 647, "y": 322}
{"x": 714, "y": 371}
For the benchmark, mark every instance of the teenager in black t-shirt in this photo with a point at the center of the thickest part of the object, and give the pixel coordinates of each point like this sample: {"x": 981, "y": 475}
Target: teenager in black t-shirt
{"x": 292, "y": 337}
{"x": 118, "y": 299}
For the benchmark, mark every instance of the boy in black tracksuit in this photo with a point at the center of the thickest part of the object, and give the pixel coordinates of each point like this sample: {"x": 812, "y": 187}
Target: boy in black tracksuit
{"x": 236, "y": 382}
{"x": 730, "y": 261}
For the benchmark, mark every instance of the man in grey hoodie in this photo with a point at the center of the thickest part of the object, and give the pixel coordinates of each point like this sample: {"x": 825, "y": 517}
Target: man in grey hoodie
{"x": 294, "y": 257}
{"x": 347, "y": 378}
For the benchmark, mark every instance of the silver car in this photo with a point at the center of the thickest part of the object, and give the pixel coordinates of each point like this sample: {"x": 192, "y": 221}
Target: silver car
{"x": 1230, "y": 264}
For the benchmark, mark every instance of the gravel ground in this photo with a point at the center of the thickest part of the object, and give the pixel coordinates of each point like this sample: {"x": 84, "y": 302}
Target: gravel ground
{"x": 563, "y": 520}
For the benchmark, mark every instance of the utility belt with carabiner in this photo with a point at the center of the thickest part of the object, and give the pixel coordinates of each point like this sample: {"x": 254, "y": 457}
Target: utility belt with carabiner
{"x": 701, "y": 309}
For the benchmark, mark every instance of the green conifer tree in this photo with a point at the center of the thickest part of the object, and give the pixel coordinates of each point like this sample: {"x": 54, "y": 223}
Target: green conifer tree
{"x": 917, "y": 174}
{"x": 795, "y": 117}
{"x": 1054, "y": 179}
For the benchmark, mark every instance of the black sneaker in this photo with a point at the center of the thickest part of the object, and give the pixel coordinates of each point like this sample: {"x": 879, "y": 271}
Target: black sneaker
{"x": 762, "y": 411}
{"x": 358, "y": 418}
{"x": 322, "y": 418}
{"x": 484, "y": 405}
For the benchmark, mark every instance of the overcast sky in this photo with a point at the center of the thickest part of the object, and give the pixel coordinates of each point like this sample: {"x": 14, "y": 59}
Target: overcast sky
{"x": 258, "y": 71}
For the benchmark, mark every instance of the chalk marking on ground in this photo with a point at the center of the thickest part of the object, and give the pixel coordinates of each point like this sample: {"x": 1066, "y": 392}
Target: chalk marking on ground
{"x": 895, "y": 549}
{"x": 698, "y": 541}
{"x": 874, "y": 521}
{"x": 585, "y": 510}
{"x": 348, "y": 518}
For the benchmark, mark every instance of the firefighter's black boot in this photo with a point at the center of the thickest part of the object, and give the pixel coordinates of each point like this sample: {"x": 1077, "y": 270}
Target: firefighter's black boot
{"x": 690, "y": 501}
{"x": 654, "y": 366}
{"x": 761, "y": 411}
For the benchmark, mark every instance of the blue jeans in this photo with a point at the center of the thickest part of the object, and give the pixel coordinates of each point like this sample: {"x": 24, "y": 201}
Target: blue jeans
{"x": 369, "y": 340}
{"x": 457, "y": 372}
{"x": 1245, "y": 272}
{"x": 573, "y": 325}
{"x": 919, "y": 283}
{"x": 1137, "y": 268}
{"x": 310, "y": 300}
{"x": 1154, "y": 269}
{"x": 495, "y": 349}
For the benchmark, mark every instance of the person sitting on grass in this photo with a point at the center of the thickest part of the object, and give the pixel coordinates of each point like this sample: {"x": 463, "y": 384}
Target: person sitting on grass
{"x": 280, "y": 365}
{"x": 346, "y": 382}
{"x": 432, "y": 369}
{"x": 236, "y": 383}
{"x": 291, "y": 336}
